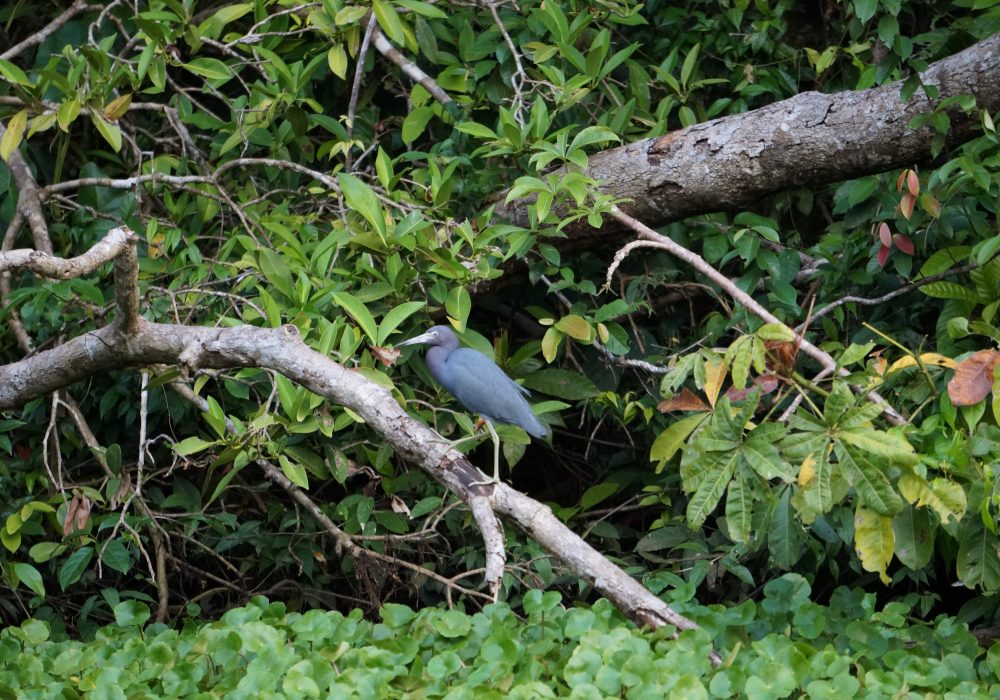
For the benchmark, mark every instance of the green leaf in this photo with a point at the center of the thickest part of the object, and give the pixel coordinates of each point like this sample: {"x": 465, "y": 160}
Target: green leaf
{"x": 870, "y": 481}
{"x": 74, "y": 565}
{"x": 576, "y": 327}
{"x": 561, "y": 383}
{"x": 672, "y": 439}
{"x": 977, "y": 564}
{"x": 415, "y": 122}
{"x": 30, "y": 577}
{"x": 190, "y": 445}
{"x": 855, "y": 353}
{"x": 211, "y": 68}
{"x": 784, "y": 537}
{"x": 131, "y": 613}
{"x": 717, "y": 471}
{"x": 945, "y": 497}
{"x": 276, "y": 270}
{"x": 12, "y": 73}
{"x": 361, "y": 198}
{"x": 739, "y": 508}
{"x": 458, "y": 304}
{"x": 111, "y": 132}
{"x": 890, "y": 445}
{"x": 775, "y": 331}
{"x": 914, "y": 531}
{"x": 115, "y": 556}
{"x": 865, "y": 9}
{"x": 478, "y": 130}
{"x": 296, "y": 473}
{"x": 597, "y": 493}
{"x": 336, "y": 58}
{"x": 389, "y": 21}
{"x": 359, "y": 312}
{"x": 396, "y": 315}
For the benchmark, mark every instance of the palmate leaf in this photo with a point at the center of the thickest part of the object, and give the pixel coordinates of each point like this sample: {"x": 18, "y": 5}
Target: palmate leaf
{"x": 716, "y": 472}
{"x": 760, "y": 451}
{"x": 869, "y": 480}
{"x": 890, "y": 445}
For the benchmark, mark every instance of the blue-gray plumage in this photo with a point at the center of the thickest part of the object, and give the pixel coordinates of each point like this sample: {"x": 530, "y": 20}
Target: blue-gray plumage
{"x": 479, "y": 385}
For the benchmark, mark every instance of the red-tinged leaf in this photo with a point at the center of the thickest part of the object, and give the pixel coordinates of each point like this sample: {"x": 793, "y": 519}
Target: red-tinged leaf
{"x": 906, "y": 203}
{"x": 912, "y": 182}
{"x": 900, "y": 180}
{"x": 780, "y": 356}
{"x": 903, "y": 243}
{"x": 973, "y": 378}
{"x": 883, "y": 255}
{"x": 766, "y": 384}
{"x": 684, "y": 401}
{"x": 885, "y": 234}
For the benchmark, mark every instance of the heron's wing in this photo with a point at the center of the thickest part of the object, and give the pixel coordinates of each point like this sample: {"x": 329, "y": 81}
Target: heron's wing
{"x": 482, "y": 387}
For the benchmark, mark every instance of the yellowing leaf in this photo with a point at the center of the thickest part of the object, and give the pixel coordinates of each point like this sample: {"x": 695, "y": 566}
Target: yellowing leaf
{"x": 117, "y": 107}
{"x": 807, "y": 471}
{"x": 336, "y": 57}
{"x": 945, "y": 497}
{"x": 12, "y": 136}
{"x": 928, "y": 358}
{"x": 550, "y": 344}
{"x": 715, "y": 374}
{"x": 874, "y": 542}
{"x": 576, "y": 327}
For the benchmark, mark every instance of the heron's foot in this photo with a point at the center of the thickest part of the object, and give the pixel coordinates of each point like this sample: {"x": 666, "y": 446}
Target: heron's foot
{"x": 488, "y": 481}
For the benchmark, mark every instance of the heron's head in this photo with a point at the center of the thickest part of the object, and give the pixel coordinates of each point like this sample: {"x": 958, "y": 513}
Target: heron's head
{"x": 438, "y": 335}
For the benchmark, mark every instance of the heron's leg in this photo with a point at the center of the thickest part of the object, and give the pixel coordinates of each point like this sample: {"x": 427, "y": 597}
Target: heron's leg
{"x": 496, "y": 458}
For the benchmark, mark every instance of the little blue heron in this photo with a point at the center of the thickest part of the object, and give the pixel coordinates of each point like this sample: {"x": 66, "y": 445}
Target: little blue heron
{"x": 479, "y": 385}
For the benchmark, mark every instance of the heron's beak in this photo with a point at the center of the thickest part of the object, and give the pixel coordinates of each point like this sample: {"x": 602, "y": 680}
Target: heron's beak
{"x": 417, "y": 340}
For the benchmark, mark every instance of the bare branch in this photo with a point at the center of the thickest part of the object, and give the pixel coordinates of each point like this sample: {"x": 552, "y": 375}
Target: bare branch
{"x": 409, "y": 67}
{"x": 46, "y": 31}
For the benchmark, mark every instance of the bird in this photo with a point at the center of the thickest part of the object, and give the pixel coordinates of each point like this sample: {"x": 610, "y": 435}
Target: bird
{"x": 479, "y": 385}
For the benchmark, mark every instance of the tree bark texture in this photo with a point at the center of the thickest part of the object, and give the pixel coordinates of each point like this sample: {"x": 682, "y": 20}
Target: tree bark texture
{"x": 807, "y": 140}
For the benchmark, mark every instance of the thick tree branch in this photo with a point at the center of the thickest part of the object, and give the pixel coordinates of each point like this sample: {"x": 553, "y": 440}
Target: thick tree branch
{"x": 138, "y": 343}
{"x": 810, "y": 139}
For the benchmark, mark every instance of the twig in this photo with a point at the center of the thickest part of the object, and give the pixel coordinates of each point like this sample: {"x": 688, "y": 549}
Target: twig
{"x": 409, "y": 67}
{"x": 44, "y": 33}
{"x": 698, "y": 263}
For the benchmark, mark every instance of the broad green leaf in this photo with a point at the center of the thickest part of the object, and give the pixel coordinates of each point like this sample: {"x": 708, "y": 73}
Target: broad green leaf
{"x": 874, "y": 542}
{"x": 478, "y": 130}
{"x": 131, "y": 613}
{"x": 14, "y": 133}
{"x": 211, "y": 68}
{"x": 115, "y": 556}
{"x": 296, "y": 473}
{"x": 30, "y": 577}
{"x": 458, "y": 304}
{"x": 389, "y": 21}
{"x": 760, "y": 451}
{"x": 914, "y": 530}
{"x": 111, "y": 132}
{"x": 276, "y": 271}
{"x": 775, "y": 331}
{"x": 855, "y": 353}
{"x": 74, "y": 565}
{"x": 561, "y": 383}
{"x": 597, "y": 493}
{"x": 943, "y": 289}
{"x": 672, "y": 439}
{"x": 865, "y": 9}
{"x": 550, "y": 344}
{"x": 415, "y": 122}
{"x": 395, "y": 316}
{"x": 837, "y": 403}
{"x": 977, "y": 564}
{"x": 12, "y": 73}
{"x": 191, "y": 445}
{"x": 361, "y": 198}
{"x": 738, "y": 356}
{"x": 359, "y": 312}
{"x": 422, "y": 8}
{"x": 212, "y": 27}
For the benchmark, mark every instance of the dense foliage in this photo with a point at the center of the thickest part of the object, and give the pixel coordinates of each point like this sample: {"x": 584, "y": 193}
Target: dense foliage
{"x": 264, "y": 651}
{"x": 276, "y": 178}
